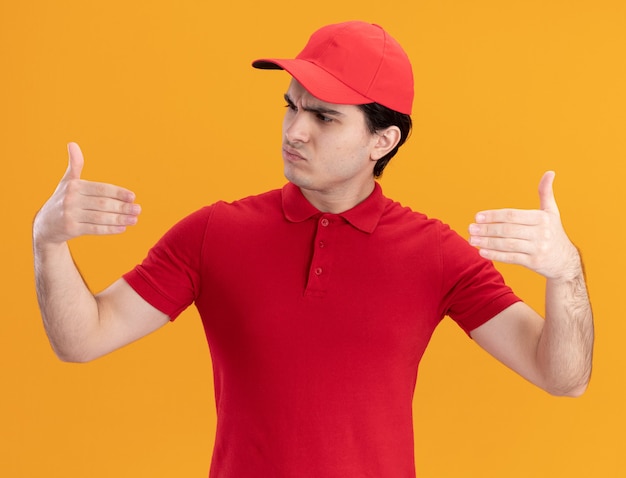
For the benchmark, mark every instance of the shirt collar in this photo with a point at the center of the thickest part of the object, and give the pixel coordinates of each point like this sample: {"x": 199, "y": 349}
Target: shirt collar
{"x": 364, "y": 216}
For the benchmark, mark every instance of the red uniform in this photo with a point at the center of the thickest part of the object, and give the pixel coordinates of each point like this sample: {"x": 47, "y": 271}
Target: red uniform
{"x": 316, "y": 324}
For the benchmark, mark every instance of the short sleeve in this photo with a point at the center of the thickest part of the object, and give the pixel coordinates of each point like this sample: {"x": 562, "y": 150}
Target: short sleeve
{"x": 474, "y": 290}
{"x": 169, "y": 276}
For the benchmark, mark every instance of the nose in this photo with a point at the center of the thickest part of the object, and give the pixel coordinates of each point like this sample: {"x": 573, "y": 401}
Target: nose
{"x": 295, "y": 127}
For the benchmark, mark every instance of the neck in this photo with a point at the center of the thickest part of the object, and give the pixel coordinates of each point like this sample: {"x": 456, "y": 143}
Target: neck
{"x": 337, "y": 201}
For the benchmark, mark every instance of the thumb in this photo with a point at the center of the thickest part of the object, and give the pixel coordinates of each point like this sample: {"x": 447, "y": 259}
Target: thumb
{"x": 75, "y": 162}
{"x": 547, "y": 201}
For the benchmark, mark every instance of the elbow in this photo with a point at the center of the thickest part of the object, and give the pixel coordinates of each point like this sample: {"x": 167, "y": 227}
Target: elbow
{"x": 572, "y": 393}
{"x": 71, "y": 355}
{"x": 572, "y": 390}
{"x": 575, "y": 392}
{"x": 567, "y": 381}
{"x": 73, "y": 359}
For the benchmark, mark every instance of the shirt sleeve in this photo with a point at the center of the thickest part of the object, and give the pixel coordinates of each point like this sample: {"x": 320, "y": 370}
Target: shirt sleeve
{"x": 169, "y": 277}
{"x": 474, "y": 291}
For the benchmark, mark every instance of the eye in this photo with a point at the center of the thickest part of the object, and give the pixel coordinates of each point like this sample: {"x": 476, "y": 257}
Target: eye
{"x": 290, "y": 104}
{"x": 323, "y": 118}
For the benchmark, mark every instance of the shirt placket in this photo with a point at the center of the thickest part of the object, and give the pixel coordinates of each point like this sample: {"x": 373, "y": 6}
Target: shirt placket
{"x": 320, "y": 268}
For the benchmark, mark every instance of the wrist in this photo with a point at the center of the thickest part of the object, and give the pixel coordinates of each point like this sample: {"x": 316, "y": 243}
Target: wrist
{"x": 41, "y": 241}
{"x": 572, "y": 270}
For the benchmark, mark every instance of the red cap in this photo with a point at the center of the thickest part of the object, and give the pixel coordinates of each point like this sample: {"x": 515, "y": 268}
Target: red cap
{"x": 352, "y": 63}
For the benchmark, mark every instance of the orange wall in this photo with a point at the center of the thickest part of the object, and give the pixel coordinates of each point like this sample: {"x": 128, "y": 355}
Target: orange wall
{"x": 161, "y": 98}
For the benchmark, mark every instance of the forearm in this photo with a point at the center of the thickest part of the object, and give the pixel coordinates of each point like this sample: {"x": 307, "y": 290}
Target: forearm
{"x": 565, "y": 348}
{"x": 68, "y": 308}
{"x": 82, "y": 326}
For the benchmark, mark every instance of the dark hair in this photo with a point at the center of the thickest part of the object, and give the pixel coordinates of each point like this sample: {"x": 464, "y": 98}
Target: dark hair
{"x": 379, "y": 117}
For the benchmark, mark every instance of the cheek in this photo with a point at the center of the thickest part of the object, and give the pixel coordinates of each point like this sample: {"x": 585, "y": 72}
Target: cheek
{"x": 354, "y": 150}
{"x": 350, "y": 145}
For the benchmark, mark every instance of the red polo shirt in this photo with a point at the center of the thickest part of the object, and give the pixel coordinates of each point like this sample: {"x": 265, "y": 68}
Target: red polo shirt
{"x": 316, "y": 324}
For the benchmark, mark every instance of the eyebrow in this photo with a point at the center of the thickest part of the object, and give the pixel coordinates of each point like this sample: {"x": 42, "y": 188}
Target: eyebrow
{"x": 319, "y": 109}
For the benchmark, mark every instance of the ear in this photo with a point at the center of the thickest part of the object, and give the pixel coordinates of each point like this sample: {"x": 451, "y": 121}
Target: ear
{"x": 386, "y": 140}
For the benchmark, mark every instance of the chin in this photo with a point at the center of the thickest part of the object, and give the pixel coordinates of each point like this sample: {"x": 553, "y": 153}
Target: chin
{"x": 299, "y": 180}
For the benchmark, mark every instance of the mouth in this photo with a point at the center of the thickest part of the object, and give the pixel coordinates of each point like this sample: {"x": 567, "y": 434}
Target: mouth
{"x": 291, "y": 154}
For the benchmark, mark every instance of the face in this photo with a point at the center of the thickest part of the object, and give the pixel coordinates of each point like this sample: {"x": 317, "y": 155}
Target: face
{"x": 327, "y": 148}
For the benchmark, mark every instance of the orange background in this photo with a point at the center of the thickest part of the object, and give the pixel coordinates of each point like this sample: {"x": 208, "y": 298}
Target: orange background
{"x": 161, "y": 97}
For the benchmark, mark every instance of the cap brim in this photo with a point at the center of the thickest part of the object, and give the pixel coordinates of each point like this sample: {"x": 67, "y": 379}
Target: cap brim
{"x": 315, "y": 80}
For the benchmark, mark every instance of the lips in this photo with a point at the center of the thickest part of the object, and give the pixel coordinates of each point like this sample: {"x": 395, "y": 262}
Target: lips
{"x": 292, "y": 154}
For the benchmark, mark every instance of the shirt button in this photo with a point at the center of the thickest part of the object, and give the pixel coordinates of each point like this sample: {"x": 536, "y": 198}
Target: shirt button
{"x": 324, "y": 222}
{"x": 322, "y": 244}
{"x": 318, "y": 271}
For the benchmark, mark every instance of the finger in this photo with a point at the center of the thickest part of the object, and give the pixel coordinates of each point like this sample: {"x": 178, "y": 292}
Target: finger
{"x": 547, "y": 201}
{"x": 502, "y": 244}
{"x": 109, "y": 205}
{"x": 502, "y": 229}
{"x": 106, "y": 190}
{"x": 99, "y": 218}
{"x": 518, "y": 258}
{"x": 528, "y": 217}
{"x": 100, "y": 230}
{"x": 75, "y": 162}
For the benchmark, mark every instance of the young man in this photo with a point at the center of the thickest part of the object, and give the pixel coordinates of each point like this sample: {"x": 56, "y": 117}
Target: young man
{"x": 319, "y": 299}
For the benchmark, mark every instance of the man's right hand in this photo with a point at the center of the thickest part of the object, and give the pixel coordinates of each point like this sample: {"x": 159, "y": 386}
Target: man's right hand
{"x": 82, "y": 326}
{"x": 78, "y": 207}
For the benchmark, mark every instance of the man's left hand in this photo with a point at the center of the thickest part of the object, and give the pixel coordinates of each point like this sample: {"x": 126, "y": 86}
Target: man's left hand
{"x": 532, "y": 238}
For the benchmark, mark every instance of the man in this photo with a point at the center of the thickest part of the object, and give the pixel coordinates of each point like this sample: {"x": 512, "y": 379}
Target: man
{"x": 319, "y": 299}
